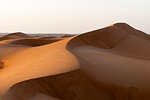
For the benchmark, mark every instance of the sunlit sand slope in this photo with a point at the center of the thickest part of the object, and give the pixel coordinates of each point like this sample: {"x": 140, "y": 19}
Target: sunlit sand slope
{"x": 33, "y": 62}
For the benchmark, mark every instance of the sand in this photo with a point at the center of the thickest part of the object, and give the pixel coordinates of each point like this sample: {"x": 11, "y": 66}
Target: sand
{"x": 111, "y": 63}
{"x": 40, "y": 96}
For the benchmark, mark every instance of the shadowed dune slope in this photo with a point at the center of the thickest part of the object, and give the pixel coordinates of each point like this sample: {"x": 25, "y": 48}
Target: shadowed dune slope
{"x": 108, "y": 37}
{"x": 117, "y": 54}
{"x": 106, "y": 64}
{"x": 68, "y": 86}
{"x": 35, "y": 42}
{"x": 130, "y": 30}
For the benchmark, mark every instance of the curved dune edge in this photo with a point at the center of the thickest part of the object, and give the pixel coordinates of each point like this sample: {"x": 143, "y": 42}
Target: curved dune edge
{"x": 65, "y": 86}
{"x": 95, "y": 51}
{"x": 54, "y": 57}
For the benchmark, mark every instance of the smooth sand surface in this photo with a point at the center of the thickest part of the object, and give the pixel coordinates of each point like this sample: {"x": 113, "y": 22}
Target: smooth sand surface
{"x": 106, "y": 64}
{"x": 40, "y": 96}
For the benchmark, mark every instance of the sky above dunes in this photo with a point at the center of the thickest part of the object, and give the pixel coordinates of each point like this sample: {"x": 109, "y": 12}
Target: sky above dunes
{"x": 71, "y": 16}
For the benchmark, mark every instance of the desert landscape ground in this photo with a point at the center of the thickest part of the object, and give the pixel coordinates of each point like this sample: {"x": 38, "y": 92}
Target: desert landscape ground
{"x": 111, "y": 63}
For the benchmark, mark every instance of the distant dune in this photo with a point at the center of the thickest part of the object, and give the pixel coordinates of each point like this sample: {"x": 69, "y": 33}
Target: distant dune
{"x": 14, "y": 36}
{"x": 111, "y": 63}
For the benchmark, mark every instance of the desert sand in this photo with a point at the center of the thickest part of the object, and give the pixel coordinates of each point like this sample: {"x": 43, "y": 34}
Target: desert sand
{"x": 111, "y": 63}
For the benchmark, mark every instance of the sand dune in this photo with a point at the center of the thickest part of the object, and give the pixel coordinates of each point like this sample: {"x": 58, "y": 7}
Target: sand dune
{"x": 35, "y": 42}
{"x": 106, "y": 64}
{"x": 14, "y": 36}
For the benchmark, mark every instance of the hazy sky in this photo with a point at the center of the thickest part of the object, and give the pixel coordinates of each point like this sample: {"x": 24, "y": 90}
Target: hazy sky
{"x": 71, "y": 16}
